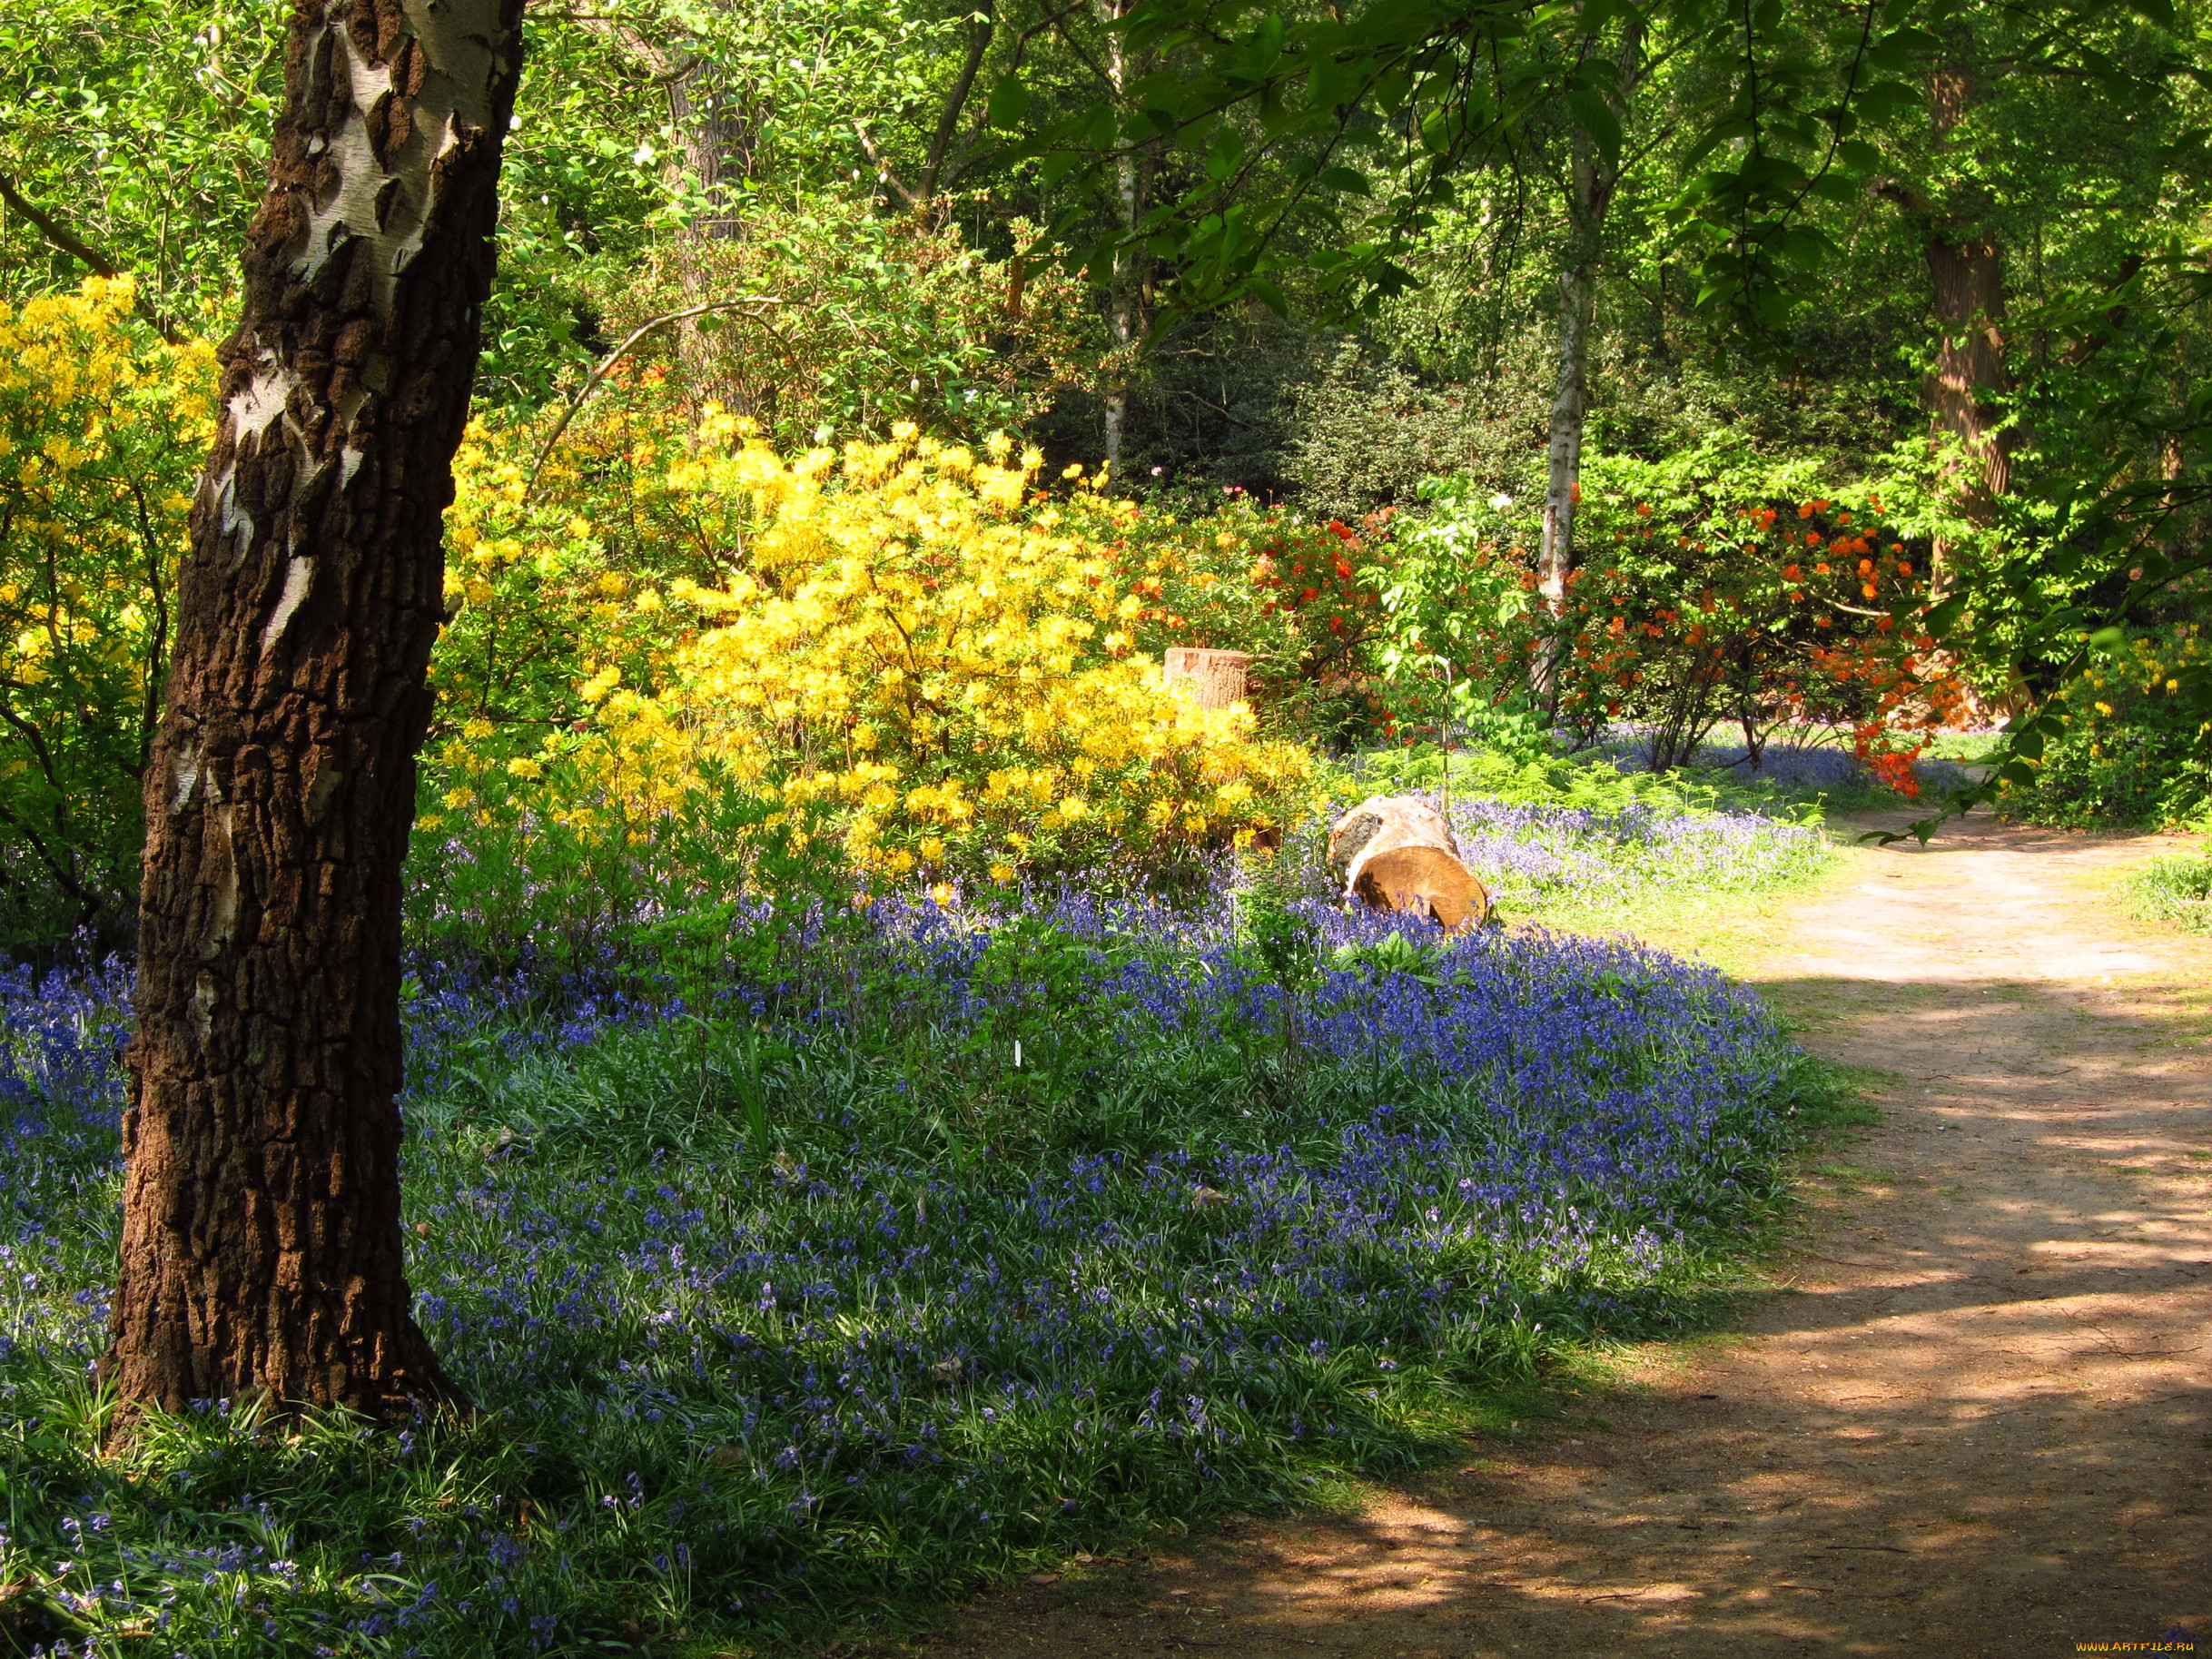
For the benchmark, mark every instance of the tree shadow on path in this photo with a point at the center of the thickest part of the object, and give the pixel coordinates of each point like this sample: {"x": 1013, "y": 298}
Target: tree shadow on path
{"x": 1972, "y": 1415}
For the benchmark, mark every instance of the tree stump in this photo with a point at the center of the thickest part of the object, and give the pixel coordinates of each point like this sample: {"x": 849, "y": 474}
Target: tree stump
{"x": 1216, "y": 678}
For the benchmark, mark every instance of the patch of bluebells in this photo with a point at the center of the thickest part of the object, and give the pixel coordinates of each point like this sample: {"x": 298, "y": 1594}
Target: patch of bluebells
{"x": 726, "y": 1389}
{"x": 1809, "y": 768}
{"x": 1532, "y": 854}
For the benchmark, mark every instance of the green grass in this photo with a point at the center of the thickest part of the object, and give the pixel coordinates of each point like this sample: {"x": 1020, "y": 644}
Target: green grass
{"x": 782, "y": 1330}
{"x": 2176, "y": 889}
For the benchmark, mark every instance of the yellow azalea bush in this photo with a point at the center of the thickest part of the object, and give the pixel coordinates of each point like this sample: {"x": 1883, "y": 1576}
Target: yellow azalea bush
{"x": 103, "y": 428}
{"x": 902, "y": 652}
{"x": 2134, "y": 750}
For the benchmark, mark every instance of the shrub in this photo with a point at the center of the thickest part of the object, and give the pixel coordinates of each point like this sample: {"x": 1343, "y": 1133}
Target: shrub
{"x": 874, "y": 320}
{"x": 102, "y": 428}
{"x": 1259, "y": 579}
{"x": 1713, "y": 588}
{"x": 1367, "y": 431}
{"x": 904, "y": 655}
{"x": 2133, "y": 752}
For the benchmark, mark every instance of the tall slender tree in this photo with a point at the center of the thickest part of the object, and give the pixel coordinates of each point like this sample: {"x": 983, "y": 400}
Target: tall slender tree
{"x": 262, "y": 1247}
{"x": 1592, "y": 176}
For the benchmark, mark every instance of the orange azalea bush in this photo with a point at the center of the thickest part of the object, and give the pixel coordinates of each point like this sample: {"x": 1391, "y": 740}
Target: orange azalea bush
{"x": 902, "y": 654}
{"x": 1714, "y": 591}
{"x": 1256, "y": 578}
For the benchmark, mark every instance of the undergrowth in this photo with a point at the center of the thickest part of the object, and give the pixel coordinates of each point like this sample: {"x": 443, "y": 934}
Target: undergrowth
{"x": 2176, "y": 889}
{"x": 788, "y": 1296}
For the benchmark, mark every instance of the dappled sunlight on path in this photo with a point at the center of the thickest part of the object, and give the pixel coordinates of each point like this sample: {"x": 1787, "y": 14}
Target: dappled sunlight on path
{"x": 1972, "y": 1415}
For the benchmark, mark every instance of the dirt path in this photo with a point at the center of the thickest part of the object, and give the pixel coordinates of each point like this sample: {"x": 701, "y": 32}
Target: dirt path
{"x": 1972, "y": 1419}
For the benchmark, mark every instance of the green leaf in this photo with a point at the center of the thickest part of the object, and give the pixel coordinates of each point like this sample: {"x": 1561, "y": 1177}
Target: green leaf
{"x": 1009, "y": 102}
{"x": 1269, "y": 295}
{"x": 1596, "y": 114}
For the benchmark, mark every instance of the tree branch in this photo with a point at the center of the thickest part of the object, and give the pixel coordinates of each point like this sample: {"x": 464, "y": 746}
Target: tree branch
{"x": 84, "y": 254}
{"x": 980, "y": 34}
{"x": 883, "y": 167}
{"x": 607, "y": 365}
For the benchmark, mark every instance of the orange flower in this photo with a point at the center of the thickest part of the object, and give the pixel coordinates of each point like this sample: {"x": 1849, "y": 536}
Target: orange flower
{"x": 1813, "y": 538}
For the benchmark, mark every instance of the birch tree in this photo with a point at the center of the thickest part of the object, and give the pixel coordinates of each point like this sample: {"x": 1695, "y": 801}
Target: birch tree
{"x": 261, "y": 1246}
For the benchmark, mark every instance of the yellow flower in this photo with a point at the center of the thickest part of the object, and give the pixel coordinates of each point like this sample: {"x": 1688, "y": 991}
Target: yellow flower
{"x": 522, "y": 765}
{"x": 1001, "y": 872}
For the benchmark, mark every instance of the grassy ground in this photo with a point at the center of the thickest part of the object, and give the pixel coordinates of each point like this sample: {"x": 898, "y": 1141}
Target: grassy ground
{"x": 792, "y": 1301}
{"x": 2176, "y": 890}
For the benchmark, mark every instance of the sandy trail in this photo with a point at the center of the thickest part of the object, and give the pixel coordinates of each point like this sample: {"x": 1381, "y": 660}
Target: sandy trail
{"x": 1970, "y": 1419}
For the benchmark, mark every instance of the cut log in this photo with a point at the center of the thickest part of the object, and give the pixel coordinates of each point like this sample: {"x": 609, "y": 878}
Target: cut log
{"x": 1423, "y": 880}
{"x": 1379, "y": 823}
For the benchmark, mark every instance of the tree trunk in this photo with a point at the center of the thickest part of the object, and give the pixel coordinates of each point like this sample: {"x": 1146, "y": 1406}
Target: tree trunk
{"x": 717, "y": 123}
{"x": 1967, "y": 275}
{"x": 1966, "y": 270}
{"x": 261, "y": 1248}
{"x": 716, "y": 134}
{"x": 1592, "y": 181}
{"x": 1570, "y": 410}
{"x": 1121, "y": 295}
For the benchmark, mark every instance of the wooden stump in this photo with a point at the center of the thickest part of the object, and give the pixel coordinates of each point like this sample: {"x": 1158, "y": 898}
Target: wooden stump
{"x": 1216, "y": 678}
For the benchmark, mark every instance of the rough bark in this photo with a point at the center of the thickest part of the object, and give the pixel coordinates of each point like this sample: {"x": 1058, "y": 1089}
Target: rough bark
{"x": 261, "y": 1248}
{"x": 1967, "y": 275}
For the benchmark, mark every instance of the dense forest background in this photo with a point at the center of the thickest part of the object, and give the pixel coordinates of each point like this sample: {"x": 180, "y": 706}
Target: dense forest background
{"x": 843, "y": 159}
{"x": 1948, "y": 257}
